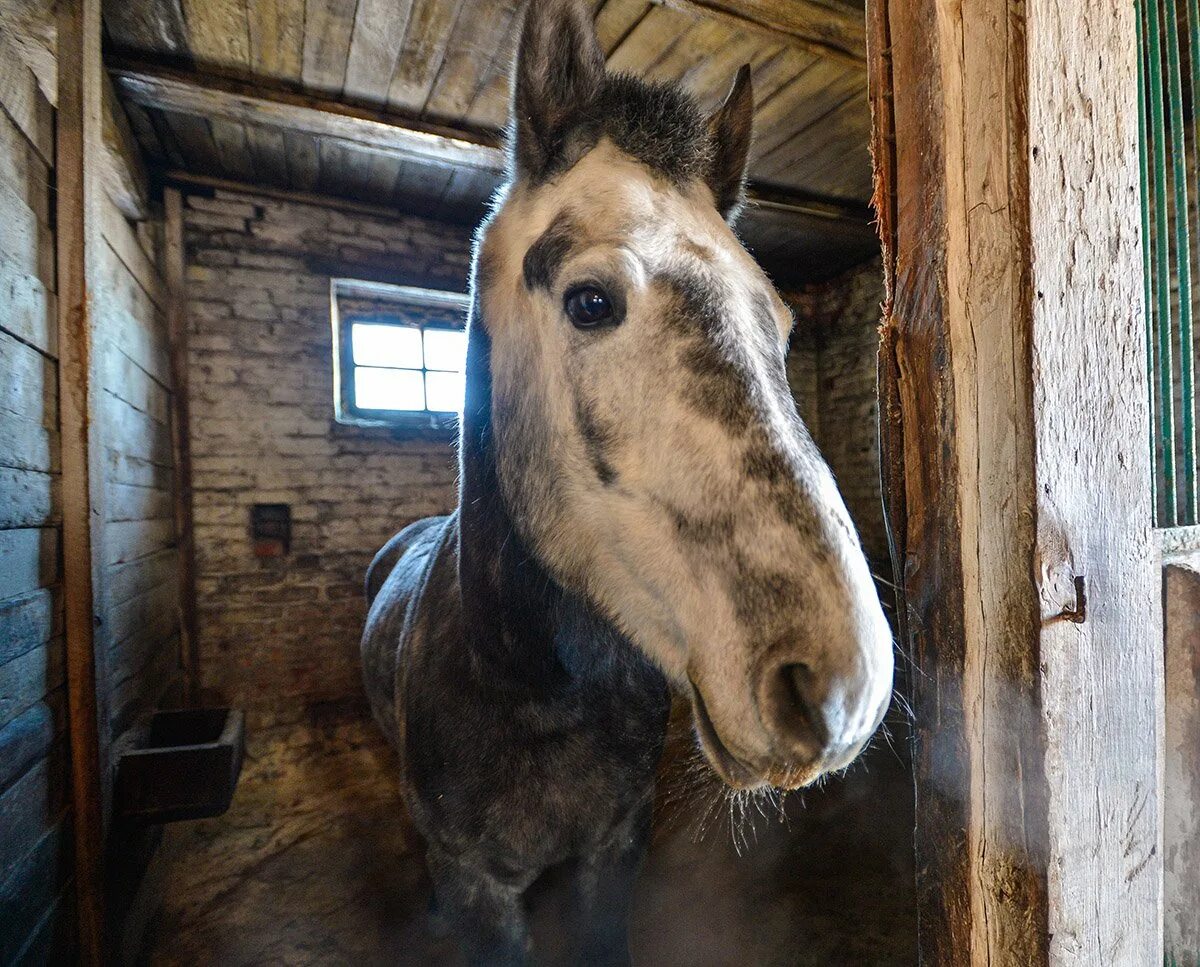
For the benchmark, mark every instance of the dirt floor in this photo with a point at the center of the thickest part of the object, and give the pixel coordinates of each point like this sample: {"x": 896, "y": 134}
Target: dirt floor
{"x": 315, "y": 864}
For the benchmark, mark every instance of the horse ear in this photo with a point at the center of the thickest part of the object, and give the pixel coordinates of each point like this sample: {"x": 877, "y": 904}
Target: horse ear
{"x": 560, "y": 70}
{"x": 730, "y": 128}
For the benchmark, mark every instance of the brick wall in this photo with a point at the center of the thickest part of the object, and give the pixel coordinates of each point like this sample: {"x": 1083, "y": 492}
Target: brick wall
{"x": 280, "y": 634}
{"x": 831, "y": 367}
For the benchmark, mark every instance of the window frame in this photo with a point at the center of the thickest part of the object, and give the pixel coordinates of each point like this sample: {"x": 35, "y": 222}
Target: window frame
{"x": 345, "y": 410}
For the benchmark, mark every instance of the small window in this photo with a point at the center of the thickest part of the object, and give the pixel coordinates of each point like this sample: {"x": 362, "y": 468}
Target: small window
{"x": 400, "y": 355}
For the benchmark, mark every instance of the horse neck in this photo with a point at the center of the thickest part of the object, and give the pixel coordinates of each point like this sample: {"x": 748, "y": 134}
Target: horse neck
{"x": 511, "y": 605}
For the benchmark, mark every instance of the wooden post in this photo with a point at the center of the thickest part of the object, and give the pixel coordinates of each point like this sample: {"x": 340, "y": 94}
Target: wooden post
{"x": 180, "y": 437}
{"x": 79, "y": 185}
{"x": 1014, "y": 424}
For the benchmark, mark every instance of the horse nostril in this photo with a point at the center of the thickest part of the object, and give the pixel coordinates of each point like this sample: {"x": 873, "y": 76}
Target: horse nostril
{"x": 795, "y": 708}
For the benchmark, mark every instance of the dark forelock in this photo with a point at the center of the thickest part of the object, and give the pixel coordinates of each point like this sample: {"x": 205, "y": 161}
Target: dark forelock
{"x": 659, "y": 125}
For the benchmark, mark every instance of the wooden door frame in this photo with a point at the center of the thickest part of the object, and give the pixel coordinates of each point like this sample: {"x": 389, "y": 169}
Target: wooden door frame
{"x": 1017, "y": 480}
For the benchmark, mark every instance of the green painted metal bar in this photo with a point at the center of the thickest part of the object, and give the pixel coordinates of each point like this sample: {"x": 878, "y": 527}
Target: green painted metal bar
{"x": 1183, "y": 265}
{"x": 1147, "y": 238}
{"x": 1162, "y": 269}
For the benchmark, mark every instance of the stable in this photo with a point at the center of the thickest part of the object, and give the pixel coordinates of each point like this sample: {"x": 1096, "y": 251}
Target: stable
{"x": 237, "y": 274}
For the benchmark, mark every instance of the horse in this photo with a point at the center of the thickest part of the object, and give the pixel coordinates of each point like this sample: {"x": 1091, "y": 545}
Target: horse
{"x": 641, "y": 510}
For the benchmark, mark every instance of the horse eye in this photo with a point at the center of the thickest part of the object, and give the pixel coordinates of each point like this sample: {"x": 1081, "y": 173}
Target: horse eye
{"x": 588, "y": 306}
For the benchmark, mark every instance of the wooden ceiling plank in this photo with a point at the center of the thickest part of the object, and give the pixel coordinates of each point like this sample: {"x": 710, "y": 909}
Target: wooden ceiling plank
{"x": 218, "y": 31}
{"x": 328, "y": 26}
{"x": 194, "y": 140}
{"x": 166, "y": 137}
{"x": 489, "y": 107}
{"x": 232, "y": 148}
{"x": 703, "y": 38}
{"x": 616, "y": 19}
{"x": 178, "y": 91}
{"x": 375, "y": 48}
{"x": 429, "y": 31}
{"x": 269, "y": 152}
{"x": 644, "y": 43}
{"x": 710, "y": 77}
{"x": 772, "y": 75}
{"x": 480, "y": 32}
{"x": 812, "y": 95}
{"x": 145, "y": 132}
{"x": 154, "y": 26}
{"x": 356, "y": 129}
{"x": 382, "y": 172}
{"x": 276, "y": 37}
{"x": 836, "y": 34}
{"x": 419, "y": 187}
{"x": 848, "y": 123}
{"x": 303, "y": 160}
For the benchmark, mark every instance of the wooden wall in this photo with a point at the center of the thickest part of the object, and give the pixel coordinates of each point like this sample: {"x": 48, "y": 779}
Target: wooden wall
{"x": 36, "y": 901}
{"x": 137, "y": 606}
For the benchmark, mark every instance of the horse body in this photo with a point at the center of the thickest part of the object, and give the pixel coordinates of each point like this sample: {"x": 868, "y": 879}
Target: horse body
{"x": 639, "y": 506}
{"x": 507, "y": 776}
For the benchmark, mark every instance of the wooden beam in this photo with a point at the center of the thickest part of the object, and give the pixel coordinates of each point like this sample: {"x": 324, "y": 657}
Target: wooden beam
{"x": 124, "y": 173}
{"x": 833, "y": 32}
{"x": 167, "y": 89}
{"x": 1013, "y": 392}
{"x": 79, "y": 184}
{"x": 176, "y": 276}
{"x": 212, "y": 97}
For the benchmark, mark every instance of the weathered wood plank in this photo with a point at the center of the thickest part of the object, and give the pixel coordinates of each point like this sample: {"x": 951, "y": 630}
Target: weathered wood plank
{"x": 141, "y": 693}
{"x": 1014, "y": 377}
{"x": 429, "y": 27}
{"x": 28, "y": 559}
{"x": 34, "y": 888}
{"x": 30, "y": 809}
{"x": 185, "y": 565}
{"x": 328, "y": 25}
{"x": 28, "y": 678}
{"x": 28, "y": 738}
{"x": 376, "y": 44}
{"x": 218, "y": 32}
{"x": 1102, "y": 684}
{"x": 135, "y": 577}
{"x": 646, "y": 42}
{"x": 128, "y": 540}
{"x": 303, "y": 160}
{"x": 126, "y": 380}
{"x": 481, "y": 30}
{"x": 183, "y": 94}
{"x": 234, "y": 148}
{"x": 29, "y": 620}
{"x": 144, "y": 611}
{"x": 80, "y": 193}
{"x": 276, "y": 30}
{"x": 124, "y": 244}
{"x": 127, "y": 503}
{"x": 158, "y": 27}
{"x": 28, "y": 498}
{"x": 28, "y": 383}
{"x": 124, "y": 173}
{"x": 616, "y": 19}
{"x": 23, "y": 102}
{"x": 30, "y": 308}
{"x": 834, "y": 32}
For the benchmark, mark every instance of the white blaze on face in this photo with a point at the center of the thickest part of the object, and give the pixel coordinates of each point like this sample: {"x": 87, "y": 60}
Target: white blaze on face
{"x": 659, "y": 467}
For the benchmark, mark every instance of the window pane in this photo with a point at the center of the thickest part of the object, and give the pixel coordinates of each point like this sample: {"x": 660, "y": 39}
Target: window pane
{"x": 445, "y": 349}
{"x": 388, "y": 389}
{"x": 376, "y": 345}
{"x": 444, "y": 392}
